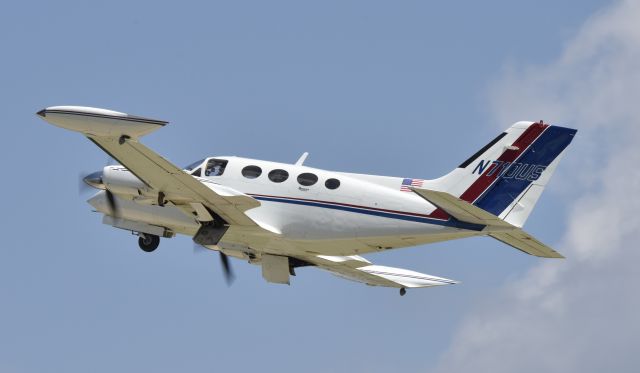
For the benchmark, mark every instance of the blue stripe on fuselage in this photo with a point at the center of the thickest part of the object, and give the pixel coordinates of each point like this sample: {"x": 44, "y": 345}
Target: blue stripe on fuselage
{"x": 452, "y": 222}
{"x": 542, "y": 152}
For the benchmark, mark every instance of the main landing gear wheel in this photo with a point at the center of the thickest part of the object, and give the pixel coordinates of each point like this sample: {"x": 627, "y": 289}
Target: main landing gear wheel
{"x": 403, "y": 291}
{"x": 148, "y": 242}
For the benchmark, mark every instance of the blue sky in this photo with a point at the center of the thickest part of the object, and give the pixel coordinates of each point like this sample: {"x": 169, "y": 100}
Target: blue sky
{"x": 403, "y": 89}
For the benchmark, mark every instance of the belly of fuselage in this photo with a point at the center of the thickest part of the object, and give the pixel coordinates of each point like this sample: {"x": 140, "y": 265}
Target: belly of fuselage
{"x": 313, "y": 226}
{"x": 318, "y": 221}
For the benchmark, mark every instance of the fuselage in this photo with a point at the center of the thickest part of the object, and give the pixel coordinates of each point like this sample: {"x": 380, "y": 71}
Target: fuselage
{"x": 320, "y": 211}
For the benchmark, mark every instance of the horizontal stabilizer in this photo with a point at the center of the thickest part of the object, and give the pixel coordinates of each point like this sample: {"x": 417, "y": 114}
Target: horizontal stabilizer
{"x": 459, "y": 209}
{"x": 496, "y": 227}
{"x": 523, "y": 241}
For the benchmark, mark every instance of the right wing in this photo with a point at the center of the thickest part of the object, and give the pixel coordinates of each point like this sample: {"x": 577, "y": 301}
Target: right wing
{"x": 357, "y": 268}
{"x": 178, "y": 186}
{"x": 117, "y": 134}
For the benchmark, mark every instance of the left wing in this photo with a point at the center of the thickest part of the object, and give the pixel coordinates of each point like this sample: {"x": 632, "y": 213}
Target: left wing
{"x": 357, "y": 268}
{"x": 117, "y": 134}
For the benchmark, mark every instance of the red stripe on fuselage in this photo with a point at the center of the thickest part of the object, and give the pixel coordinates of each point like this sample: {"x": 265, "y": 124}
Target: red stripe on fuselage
{"x": 522, "y": 143}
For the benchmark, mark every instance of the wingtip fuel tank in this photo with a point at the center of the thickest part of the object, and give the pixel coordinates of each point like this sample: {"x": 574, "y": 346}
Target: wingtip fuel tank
{"x": 99, "y": 122}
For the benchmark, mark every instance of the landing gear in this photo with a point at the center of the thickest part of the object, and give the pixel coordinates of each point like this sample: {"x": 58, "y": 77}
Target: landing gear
{"x": 403, "y": 291}
{"x": 148, "y": 242}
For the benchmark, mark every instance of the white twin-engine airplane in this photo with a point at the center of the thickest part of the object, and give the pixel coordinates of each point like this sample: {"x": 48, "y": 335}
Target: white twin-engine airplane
{"x": 283, "y": 216}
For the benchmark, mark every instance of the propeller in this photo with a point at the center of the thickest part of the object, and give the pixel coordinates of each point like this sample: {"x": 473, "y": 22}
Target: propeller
{"x": 226, "y": 268}
{"x": 94, "y": 181}
{"x": 224, "y": 260}
{"x": 83, "y": 187}
{"x": 111, "y": 201}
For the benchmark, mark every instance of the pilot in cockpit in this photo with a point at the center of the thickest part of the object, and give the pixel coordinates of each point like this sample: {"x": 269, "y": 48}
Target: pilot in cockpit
{"x": 215, "y": 167}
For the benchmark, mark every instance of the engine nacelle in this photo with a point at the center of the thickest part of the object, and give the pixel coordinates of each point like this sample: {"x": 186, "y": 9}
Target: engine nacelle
{"x": 119, "y": 180}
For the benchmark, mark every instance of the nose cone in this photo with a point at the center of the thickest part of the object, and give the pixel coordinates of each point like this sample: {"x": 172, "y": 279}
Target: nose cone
{"x": 94, "y": 180}
{"x": 42, "y": 113}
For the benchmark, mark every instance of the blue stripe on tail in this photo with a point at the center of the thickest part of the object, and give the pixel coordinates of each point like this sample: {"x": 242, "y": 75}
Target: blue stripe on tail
{"x": 515, "y": 178}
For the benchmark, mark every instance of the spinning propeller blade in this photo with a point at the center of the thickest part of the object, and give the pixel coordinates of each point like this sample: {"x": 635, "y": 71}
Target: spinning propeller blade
{"x": 113, "y": 206}
{"x": 224, "y": 260}
{"x": 94, "y": 180}
{"x": 226, "y": 268}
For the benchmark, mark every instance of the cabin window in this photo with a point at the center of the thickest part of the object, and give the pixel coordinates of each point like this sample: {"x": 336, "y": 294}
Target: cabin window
{"x": 215, "y": 167}
{"x": 278, "y": 176}
{"x": 251, "y": 172}
{"x": 332, "y": 183}
{"x": 307, "y": 179}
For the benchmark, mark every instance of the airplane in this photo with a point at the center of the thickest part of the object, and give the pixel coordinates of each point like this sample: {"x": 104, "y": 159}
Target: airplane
{"x": 285, "y": 216}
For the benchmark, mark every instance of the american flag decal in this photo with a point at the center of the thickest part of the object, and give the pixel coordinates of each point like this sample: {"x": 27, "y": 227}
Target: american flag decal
{"x": 406, "y": 183}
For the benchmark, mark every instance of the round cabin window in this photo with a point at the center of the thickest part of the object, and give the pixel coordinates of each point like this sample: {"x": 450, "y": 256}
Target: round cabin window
{"x": 332, "y": 183}
{"x": 307, "y": 179}
{"x": 251, "y": 172}
{"x": 278, "y": 176}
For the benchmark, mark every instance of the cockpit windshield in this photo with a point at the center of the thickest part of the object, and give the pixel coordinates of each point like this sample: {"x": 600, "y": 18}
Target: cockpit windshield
{"x": 194, "y": 165}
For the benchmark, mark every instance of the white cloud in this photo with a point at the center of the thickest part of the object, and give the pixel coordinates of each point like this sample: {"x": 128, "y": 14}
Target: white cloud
{"x": 583, "y": 313}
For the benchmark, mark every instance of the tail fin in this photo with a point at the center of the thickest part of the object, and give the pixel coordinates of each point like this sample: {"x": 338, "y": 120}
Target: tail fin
{"x": 507, "y": 176}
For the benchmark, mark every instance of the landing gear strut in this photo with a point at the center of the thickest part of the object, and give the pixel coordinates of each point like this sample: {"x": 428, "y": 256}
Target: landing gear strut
{"x": 148, "y": 242}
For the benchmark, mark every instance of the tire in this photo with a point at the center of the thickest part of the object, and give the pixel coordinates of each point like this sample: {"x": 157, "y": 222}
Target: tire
{"x": 148, "y": 242}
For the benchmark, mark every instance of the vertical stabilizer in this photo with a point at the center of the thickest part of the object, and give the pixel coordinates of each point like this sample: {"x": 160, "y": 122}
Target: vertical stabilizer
{"x": 507, "y": 176}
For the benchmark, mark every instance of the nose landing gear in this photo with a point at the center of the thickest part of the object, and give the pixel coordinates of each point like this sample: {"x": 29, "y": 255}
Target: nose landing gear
{"x": 148, "y": 242}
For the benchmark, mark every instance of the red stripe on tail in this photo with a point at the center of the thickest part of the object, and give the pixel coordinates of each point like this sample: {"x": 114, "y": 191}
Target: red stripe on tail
{"x": 522, "y": 143}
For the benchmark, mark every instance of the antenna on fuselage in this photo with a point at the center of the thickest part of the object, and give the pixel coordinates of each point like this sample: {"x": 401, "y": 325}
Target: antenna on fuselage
{"x": 302, "y": 158}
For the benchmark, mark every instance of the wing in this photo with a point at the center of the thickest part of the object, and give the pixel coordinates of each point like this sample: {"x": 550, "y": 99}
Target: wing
{"x": 117, "y": 134}
{"x": 359, "y": 269}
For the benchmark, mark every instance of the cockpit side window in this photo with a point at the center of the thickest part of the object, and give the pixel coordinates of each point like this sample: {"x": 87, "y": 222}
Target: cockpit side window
{"x": 215, "y": 167}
